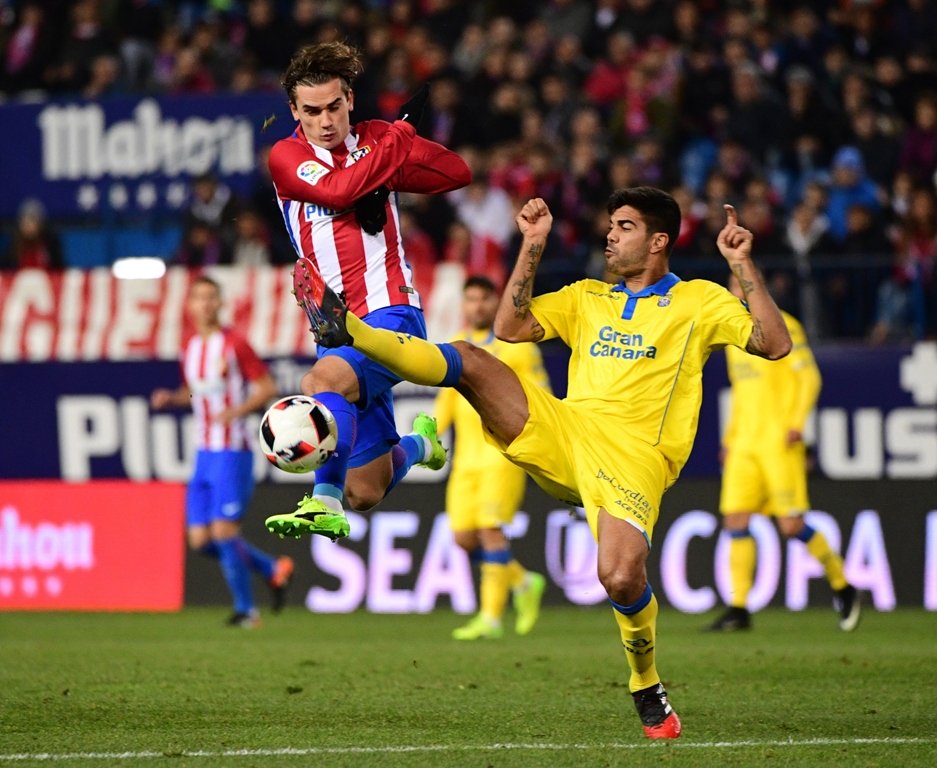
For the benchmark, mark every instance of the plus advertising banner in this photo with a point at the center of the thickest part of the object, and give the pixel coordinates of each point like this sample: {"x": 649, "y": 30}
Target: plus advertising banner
{"x": 108, "y": 545}
{"x": 130, "y": 155}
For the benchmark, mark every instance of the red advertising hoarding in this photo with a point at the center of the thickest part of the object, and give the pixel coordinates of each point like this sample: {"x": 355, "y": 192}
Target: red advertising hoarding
{"x": 100, "y": 546}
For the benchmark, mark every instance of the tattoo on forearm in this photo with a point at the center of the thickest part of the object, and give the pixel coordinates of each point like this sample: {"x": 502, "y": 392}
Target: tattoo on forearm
{"x": 756, "y": 342}
{"x": 537, "y": 333}
{"x": 523, "y": 288}
{"x": 747, "y": 286}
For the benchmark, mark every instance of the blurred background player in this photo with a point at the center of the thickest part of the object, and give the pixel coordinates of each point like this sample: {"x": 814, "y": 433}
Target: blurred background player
{"x": 485, "y": 489}
{"x": 333, "y": 183}
{"x": 765, "y": 468}
{"x": 223, "y": 380}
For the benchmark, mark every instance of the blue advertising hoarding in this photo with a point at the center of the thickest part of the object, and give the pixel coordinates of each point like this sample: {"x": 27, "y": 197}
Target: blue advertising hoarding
{"x": 131, "y": 155}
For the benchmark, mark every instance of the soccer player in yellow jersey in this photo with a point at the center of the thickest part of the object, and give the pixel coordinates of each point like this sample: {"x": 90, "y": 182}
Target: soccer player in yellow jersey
{"x": 485, "y": 489}
{"x": 765, "y": 469}
{"x": 620, "y": 437}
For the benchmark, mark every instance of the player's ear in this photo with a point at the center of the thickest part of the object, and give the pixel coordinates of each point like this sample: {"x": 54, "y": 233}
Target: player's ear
{"x": 659, "y": 241}
{"x": 351, "y": 100}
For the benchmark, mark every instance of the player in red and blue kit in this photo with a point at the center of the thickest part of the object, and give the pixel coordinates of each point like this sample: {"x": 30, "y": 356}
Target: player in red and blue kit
{"x": 223, "y": 380}
{"x": 336, "y": 186}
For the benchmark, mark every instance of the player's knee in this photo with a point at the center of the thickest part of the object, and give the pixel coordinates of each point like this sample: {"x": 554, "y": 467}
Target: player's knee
{"x": 623, "y": 582}
{"x": 791, "y": 526}
{"x": 466, "y": 540}
{"x": 474, "y": 361}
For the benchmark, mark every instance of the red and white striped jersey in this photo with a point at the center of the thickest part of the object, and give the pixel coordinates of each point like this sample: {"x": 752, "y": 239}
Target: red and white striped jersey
{"x": 218, "y": 370}
{"x": 317, "y": 189}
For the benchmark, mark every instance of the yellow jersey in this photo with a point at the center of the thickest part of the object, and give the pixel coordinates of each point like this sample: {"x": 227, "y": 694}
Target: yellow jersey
{"x": 771, "y": 397}
{"x": 637, "y": 357}
{"x": 452, "y": 409}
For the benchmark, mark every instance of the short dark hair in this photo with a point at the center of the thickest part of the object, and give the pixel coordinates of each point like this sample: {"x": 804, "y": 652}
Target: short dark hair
{"x": 480, "y": 281}
{"x": 320, "y": 63}
{"x": 660, "y": 211}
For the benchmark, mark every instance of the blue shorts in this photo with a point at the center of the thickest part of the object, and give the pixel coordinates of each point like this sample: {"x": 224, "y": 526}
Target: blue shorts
{"x": 377, "y": 428}
{"x": 220, "y": 488}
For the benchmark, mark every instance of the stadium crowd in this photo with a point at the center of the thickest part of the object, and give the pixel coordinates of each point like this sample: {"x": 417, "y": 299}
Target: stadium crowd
{"x": 818, "y": 121}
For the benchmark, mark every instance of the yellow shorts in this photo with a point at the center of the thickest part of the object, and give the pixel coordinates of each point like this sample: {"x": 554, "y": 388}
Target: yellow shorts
{"x": 484, "y": 497}
{"x": 580, "y": 458}
{"x": 771, "y": 482}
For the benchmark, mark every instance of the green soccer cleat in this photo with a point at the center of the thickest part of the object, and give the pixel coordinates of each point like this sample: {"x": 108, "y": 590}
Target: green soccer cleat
{"x": 425, "y": 426}
{"x": 479, "y": 628}
{"x": 310, "y": 516}
{"x": 527, "y": 602}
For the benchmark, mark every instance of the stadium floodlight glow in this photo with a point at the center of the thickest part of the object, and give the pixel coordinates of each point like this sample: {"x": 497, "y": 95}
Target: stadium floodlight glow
{"x": 138, "y": 268}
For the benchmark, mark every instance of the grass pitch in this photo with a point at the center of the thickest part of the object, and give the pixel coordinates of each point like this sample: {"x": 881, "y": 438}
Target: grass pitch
{"x": 362, "y": 690}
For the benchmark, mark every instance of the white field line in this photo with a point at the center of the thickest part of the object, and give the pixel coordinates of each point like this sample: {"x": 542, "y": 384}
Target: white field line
{"x": 443, "y": 748}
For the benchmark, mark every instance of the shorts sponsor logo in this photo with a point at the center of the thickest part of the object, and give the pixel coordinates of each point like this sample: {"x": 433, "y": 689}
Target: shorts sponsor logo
{"x": 624, "y": 346}
{"x": 634, "y": 502}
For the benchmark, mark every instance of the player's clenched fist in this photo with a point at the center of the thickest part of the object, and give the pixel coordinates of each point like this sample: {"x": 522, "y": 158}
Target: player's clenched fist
{"x": 535, "y": 219}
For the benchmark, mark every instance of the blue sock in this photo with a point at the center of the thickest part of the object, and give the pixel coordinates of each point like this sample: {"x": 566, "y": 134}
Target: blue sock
{"x": 499, "y": 556}
{"x": 259, "y": 561}
{"x": 330, "y": 477}
{"x": 404, "y": 455}
{"x": 637, "y": 605}
{"x": 209, "y": 550}
{"x": 454, "y": 361}
{"x": 806, "y": 533}
{"x": 236, "y": 571}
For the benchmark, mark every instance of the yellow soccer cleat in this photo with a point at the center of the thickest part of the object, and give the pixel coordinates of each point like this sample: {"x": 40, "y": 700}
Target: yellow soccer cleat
{"x": 527, "y": 602}
{"x": 479, "y": 628}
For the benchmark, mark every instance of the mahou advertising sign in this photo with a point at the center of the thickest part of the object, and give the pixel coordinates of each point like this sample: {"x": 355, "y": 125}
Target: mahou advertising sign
{"x": 102, "y": 546}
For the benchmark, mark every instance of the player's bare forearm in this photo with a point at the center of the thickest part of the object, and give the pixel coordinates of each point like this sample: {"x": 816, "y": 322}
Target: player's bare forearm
{"x": 770, "y": 338}
{"x": 514, "y": 321}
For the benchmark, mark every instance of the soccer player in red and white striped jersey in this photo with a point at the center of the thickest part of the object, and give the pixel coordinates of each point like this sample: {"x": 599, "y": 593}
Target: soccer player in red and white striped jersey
{"x": 336, "y": 184}
{"x": 224, "y": 381}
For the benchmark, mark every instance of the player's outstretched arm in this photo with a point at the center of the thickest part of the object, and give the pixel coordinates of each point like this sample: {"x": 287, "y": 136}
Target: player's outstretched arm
{"x": 514, "y": 321}
{"x": 770, "y": 337}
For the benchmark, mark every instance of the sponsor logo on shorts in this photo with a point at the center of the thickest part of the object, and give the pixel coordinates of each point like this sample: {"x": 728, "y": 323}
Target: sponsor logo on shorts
{"x": 624, "y": 346}
{"x": 634, "y": 502}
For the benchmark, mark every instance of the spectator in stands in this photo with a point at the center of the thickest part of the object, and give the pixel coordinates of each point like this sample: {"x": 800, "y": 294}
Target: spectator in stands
{"x": 878, "y": 148}
{"x": 906, "y": 303}
{"x": 86, "y": 40}
{"x": 29, "y": 50}
{"x": 806, "y": 238}
{"x": 213, "y": 206}
{"x": 251, "y": 241}
{"x": 919, "y": 149}
{"x": 849, "y": 187}
{"x": 34, "y": 244}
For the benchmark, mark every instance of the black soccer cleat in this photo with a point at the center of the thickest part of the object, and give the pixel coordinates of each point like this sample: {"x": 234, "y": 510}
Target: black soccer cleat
{"x": 848, "y": 606}
{"x": 732, "y": 620}
{"x": 323, "y": 307}
{"x": 657, "y": 716}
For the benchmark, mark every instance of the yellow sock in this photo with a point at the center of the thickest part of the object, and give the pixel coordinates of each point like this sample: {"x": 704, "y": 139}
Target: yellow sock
{"x": 516, "y": 574}
{"x": 742, "y": 554}
{"x": 411, "y": 358}
{"x": 638, "y": 631}
{"x": 493, "y": 590}
{"x": 832, "y": 563}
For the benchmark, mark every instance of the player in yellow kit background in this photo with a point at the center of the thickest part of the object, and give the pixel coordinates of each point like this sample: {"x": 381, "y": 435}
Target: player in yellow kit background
{"x": 765, "y": 469}
{"x": 485, "y": 490}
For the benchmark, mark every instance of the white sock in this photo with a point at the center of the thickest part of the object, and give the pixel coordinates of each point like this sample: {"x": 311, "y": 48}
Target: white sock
{"x": 331, "y": 502}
